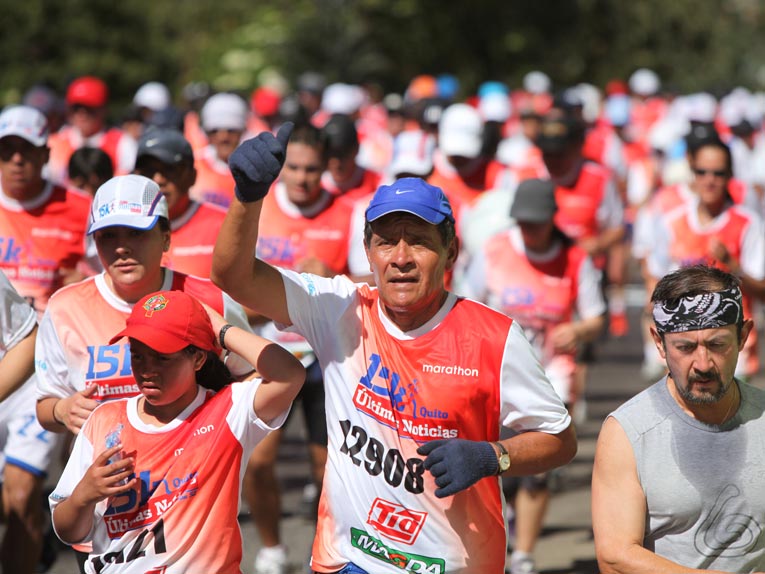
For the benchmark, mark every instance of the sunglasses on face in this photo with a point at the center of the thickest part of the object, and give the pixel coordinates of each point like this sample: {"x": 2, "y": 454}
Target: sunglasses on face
{"x": 150, "y": 169}
{"x": 715, "y": 172}
{"x": 10, "y": 147}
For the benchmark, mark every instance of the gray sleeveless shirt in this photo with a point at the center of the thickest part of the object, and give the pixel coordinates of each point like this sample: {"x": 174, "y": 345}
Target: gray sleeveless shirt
{"x": 704, "y": 485}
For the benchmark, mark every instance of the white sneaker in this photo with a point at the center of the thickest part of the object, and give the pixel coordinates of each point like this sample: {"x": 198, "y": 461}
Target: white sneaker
{"x": 271, "y": 560}
{"x": 522, "y": 565}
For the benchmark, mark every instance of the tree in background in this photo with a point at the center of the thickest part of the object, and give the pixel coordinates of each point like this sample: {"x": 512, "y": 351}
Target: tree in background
{"x": 235, "y": 45}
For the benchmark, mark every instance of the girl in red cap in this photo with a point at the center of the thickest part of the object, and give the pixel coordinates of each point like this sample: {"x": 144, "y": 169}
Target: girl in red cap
{"x": 154, "y": 479}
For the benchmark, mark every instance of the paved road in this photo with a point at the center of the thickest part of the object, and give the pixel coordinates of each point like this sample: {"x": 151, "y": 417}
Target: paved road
{"x": 566, "y": 545}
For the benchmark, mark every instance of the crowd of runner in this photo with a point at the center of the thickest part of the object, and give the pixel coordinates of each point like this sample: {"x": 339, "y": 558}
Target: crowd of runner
{"x": 594, "y": 187}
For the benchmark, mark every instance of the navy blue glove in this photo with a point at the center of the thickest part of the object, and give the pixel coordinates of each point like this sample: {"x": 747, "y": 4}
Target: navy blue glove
{"x": 256, "y": 163}
{"x": 457, "y": 463}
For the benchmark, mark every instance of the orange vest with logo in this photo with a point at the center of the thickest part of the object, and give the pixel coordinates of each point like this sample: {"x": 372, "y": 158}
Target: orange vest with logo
{"x": 214, "y": 184}
{"x": 577, "y": 214}
{"x": 284, "y": 240}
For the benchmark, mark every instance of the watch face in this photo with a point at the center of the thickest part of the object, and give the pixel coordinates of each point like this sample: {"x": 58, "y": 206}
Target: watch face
{"x": 504, "y": 462}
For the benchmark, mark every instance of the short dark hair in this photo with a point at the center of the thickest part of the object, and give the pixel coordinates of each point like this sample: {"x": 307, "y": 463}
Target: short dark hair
{"x": 341, "y": 136}
{"x": 310, "y": 135}
{"x": 445, "y": 229}
{"x": 90, "y": 160}
{"x": 694, "y": 280}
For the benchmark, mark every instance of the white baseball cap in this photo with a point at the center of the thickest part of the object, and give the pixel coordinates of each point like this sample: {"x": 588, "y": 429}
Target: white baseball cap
{"x": 412, "y": 154}
{"x": 224, "y": 112}
{"x": 460, "y": 131}
{"x": 342, "y": 99}
{"x": 25, "y": 122}
{"x": 644, "y": 82}
{"x": 495, "y": 107}
{"x": 152, "y": 95}
{"x": 129, "y": 201}
{"x": 702, "y": 107}
{"x": 536, "y": 82}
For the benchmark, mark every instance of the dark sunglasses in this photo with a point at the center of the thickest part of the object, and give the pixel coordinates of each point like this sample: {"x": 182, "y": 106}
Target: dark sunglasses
{"x": 10, "y": 146}
{"x": 714, "y": 172}
{"x": 149, "y": 169}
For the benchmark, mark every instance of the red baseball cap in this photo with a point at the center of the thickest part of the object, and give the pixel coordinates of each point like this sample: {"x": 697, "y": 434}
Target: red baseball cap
{"x": 87, "y": 91}
{"x": 265, "y": 102}
{"x": 168, "y": 322}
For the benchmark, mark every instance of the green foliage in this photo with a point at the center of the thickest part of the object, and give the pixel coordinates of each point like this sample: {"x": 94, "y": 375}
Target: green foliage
{"x": 236, "y": 45}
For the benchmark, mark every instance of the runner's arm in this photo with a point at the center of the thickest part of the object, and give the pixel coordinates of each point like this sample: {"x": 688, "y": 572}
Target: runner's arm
{"x": 618, "y": 510}
{"x": 282, "y": 374}
{"x": 17, "y": 365}
{"x": 248, "y": 280}
{"x": 534, "y": 452}
{"x": 235, "y": 269}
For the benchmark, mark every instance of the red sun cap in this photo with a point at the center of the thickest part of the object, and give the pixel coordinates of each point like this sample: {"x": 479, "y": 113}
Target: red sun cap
{"x": 168, "y": 322}
{"x": 265, "y": 102}
{"x": 87, "y": 91}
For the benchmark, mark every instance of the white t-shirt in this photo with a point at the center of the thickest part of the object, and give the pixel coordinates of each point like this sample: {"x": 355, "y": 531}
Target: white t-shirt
{"x": 465, "y": 373}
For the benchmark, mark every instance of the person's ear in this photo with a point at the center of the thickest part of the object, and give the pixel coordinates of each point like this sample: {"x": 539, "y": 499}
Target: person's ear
{"x": 746, "y": 329}
{"x": 659, "y": 342}
{"x": 452, "y": 252}
{"x": 200, "y": 358}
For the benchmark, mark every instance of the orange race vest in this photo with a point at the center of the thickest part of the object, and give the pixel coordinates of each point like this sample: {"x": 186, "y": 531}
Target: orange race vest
{"x": 578, "y": 205}
{"x": 442, "y": 384}
{"x": 539, "y": 295}
{"x": 214, "y": 184}
{"x": 62, "y": 146}
{"x": 36, "y": 243}
{"x": 284, "y": 240}
{"x": 462, "y": 192}
{"x": 85, "y": 322}
{"x": 192, "y": 239}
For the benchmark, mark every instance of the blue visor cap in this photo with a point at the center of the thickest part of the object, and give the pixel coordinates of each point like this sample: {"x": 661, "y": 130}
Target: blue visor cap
{"x": 410, "y": 195}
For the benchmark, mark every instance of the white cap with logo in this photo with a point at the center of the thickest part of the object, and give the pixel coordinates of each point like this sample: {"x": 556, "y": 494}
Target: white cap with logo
{"x": 127, "y": 200}
{"x": 25, "y": 122}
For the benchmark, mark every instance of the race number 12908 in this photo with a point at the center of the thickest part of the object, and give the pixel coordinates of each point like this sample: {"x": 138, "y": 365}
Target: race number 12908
{"x": 370, "y": 454}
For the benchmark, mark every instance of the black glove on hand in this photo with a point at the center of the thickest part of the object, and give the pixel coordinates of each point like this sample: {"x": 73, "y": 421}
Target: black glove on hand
{"x": 457, "y": 463}
{"x": 256, "y": 163}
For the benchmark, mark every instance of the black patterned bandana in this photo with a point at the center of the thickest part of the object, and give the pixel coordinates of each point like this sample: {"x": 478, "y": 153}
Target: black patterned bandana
{"x": 706, "y": 311}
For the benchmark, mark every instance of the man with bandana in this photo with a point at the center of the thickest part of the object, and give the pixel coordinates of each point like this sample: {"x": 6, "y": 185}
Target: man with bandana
{"x": 677, "y": 481}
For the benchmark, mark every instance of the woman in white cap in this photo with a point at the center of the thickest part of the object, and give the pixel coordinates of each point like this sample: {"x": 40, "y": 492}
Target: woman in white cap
{"x": 78, "y": 366}
{"x": 141, "y": 484}
{"x": 537, "y": 276}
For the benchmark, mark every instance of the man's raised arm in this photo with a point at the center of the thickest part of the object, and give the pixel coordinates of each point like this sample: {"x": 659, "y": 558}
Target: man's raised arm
{"x": 255, "y": 165}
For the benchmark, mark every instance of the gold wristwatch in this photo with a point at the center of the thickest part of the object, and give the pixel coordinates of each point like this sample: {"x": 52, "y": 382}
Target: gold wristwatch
{"x": 503, "y": 457}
